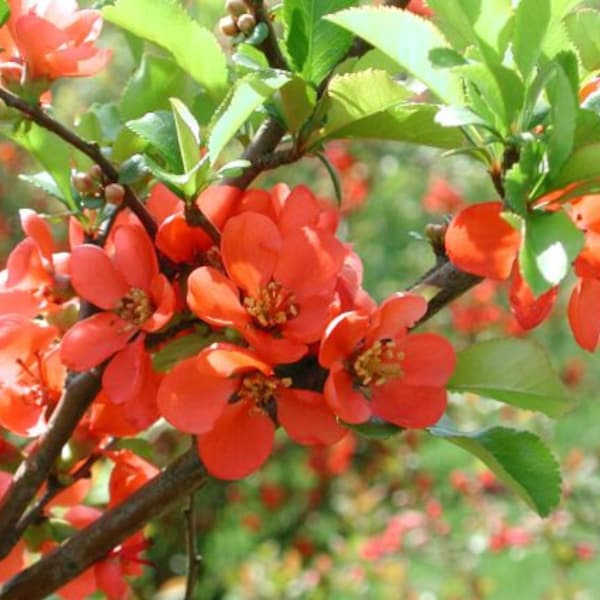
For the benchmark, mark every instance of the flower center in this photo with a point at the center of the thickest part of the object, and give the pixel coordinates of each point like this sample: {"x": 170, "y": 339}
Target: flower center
{"x": 378, "y": 364}
{"x": 135, "y": 307}
{"x": 261, "y": 390}
{"x": 273, "y": 306}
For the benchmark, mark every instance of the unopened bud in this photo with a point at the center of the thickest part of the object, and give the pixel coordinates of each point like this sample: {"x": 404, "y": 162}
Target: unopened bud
{"x": 83, "y": 183}
{"x": 228, "y": 27}
{"x": 114, "y": 193}
{"x": 95, "y": 172}
{"x": 246, "y": 23}
{"x": 235, "y": 7}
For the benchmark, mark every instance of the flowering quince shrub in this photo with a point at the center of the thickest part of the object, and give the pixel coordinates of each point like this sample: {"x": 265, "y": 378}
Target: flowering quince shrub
{"x": 171, "y": 292}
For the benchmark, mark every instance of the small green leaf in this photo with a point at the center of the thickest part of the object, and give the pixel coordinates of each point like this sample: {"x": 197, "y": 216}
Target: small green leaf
{"x": 552, "y": 242}
{"x": 356, "y": 96}
{"x": 452, "y": 116}
{"x": 583, "y": 27}
{"x": 233, "y": 168}
{"x": 584, "y": 163}
{"x": 408, "y": 40}
{"x": 314, "y": 45}
{"x": 133, "y": 169}
{"x": 518, "y": 458}
{"x": 149, "y": 88}
{"x": 4, "y": 12}
{"x": 445, "y": 58}
{"x": 532, "y": 19}
{"x": 412, "y": 123}
{"x": 563, "y": 112}
{"x": 188, "y": 134}
{"x": 180, "y": 348}
{"x": 165, "y": 23}
{"x": 298, "y": 103}
{"x": 45, "y": 182}
{"x": 515, "y": 371}
{"x": 520, "y": 180}
{"x": 54, "y": 155}
{"x": 374, "y": 429}
{"x": 249, "y": 93}
{"x": 159, "y": 130}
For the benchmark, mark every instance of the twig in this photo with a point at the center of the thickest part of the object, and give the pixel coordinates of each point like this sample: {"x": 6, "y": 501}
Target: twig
{"x": 194, "y": 559}
{"x": 90, "y": 149}
{"x": 34, "y": 470}
{"x": 269, "y": 46}
{"x": 91, "y": 544}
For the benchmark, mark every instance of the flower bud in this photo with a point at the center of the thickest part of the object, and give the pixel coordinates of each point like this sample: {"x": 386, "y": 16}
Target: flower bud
{"x": 228, "y": 27}
{"x": 246, "y": 23}
{"x": 95, "y": 172}
{"x": 235, "y": 7}
{"x": 83, "y": 183}
{"x": 114, "y": 193}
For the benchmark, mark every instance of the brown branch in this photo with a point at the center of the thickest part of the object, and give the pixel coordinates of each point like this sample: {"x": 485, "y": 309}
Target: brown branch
{"x": 34, "y": 470}
{"x": 194, "y": 559}
{"x": 269, "y": 46}
{"x": 90, "y": 149}
{"x": 91, "y": 544}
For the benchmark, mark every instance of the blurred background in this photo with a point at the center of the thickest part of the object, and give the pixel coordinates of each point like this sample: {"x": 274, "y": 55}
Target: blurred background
{"x": 410, "y": 517}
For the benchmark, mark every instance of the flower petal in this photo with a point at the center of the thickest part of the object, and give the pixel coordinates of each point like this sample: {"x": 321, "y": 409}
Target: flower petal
{"x": 215, "y": 299}
{"x": 348, "y": 404}
{"x": 307, "y": 419}
{"x": 309, "y": 262}
{"x": 122, "y": 378}
{"x": 239, "y": 444}
{"x": 481, "y": 242}
{"x": 528, "y": 310}
{"x": 413, "y": 407}
{"x": 250, "y": 246}
{"x": 38, "y": 229}
{"x": 224, "y": 360}
{"x": 308, "y": 326}
{"x": 272, "y": 349}
{"x": 584, "y": 316}
{"x": 93, "y": 340}
{"x": 135, "y": 257}
{"x": 191, "y": 400}
{"x": 429, "y": 360}
{"x": 342, "y": 336}
{"x": 395, "y": 315}
{"x": 95, "y": 278}
{"x": 300, "y": 209}
{"x": 163, "y": 298}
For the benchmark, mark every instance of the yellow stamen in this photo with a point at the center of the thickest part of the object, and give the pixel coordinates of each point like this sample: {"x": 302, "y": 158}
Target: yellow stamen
{"x": 273, "y": 307}
{"x": 378, "y": 364}
{"x": 135, "y": 307}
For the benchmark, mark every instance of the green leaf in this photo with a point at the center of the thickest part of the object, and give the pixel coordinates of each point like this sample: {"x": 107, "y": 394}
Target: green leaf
{"x": 374, "y": 429}
{"x": 4, "y": 12}
{"x": 532, "y": 19}
{"x": 557, "y": 39}
{"x": 584, "y": 163}
{"x": 45, "y": 182}
{"x": 165, "y": 23}
{"x": 149, "y": 88}
{"x": 298, "y": 103}
{"x": 468, "y": 23}
{"x": 500, "y": 88}
{"x": 452, "y": 116}
{"x": 520, "y": 180}
{"x": 314, "y": 45}
{"x": 249, "y": 93}
{"x": 133, "y": 169}
{"x": 412, "y": 123}
{"x": 333, "y": 175}
{"x": 356, "y": 96}
{"x": 518, "y": 458}
{"x": 552, "y": 242}
{"x": 408, "y": 40}
{"x": 564, "y": 105}
{"x": 181, "y": 348}
{"x": 583, "y": 27}
{"x": 514, "y": 371}
{"x": 159, "y": 130}
{"x": 54, "y": 155}
{"x": 188, "y": 134}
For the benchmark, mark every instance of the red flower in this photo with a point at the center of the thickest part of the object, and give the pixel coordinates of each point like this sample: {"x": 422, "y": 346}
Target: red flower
{"x": 441, "y": 197}
{"x": 31, "y": 376}
{"x": 129, "y": 289}
{"x": 50, "y": 39}
{"x": 377, "y": 368}
{"x": 278, "y": 289}
{"x": 480, "y": 241}
{"x": 232, "y": 399}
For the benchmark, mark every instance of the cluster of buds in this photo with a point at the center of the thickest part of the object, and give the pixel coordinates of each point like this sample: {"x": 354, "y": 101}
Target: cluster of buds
{"x": 91, "y": 184}
{"x": 239, "y": 20}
